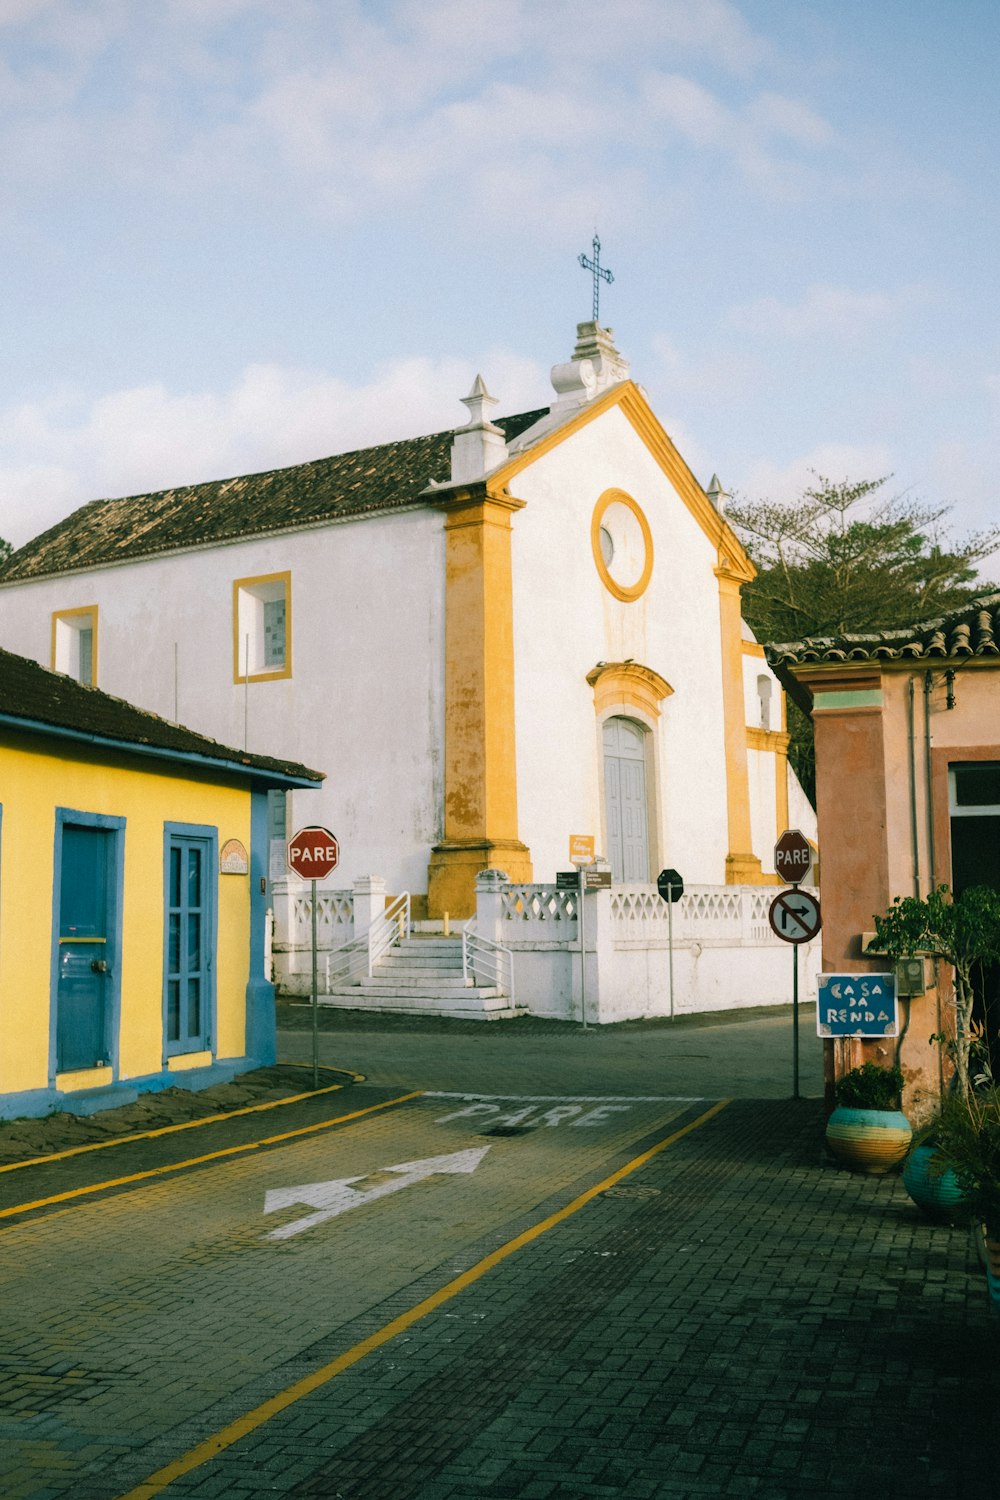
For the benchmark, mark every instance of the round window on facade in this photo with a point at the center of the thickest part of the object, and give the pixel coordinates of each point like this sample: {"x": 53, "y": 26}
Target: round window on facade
{"x": 622, "y": 545}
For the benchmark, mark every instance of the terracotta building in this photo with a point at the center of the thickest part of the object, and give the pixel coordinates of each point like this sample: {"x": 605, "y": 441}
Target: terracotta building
{"x": 907, "y": 726}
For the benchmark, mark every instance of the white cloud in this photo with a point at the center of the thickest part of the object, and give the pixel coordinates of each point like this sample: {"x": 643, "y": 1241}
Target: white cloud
{"x": 58, "y": 455}
{"x": 354, "y": 108}
{"x": 763, "y": 137}
{"x": 827, "y": 310}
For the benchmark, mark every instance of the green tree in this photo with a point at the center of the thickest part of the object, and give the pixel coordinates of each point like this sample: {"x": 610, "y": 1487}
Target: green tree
{"x": 845, "y": 558}
{"x": 5, "y": 550}
{"x": 963, "y": 931}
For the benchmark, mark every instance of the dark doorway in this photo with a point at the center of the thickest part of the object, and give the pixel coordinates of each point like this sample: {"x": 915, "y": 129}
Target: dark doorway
{"x": 974, "y": 793}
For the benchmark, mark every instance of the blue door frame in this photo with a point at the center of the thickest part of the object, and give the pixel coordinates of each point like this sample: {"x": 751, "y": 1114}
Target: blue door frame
{"x": 85, "y": 986}
{"x": 190, "y": 898}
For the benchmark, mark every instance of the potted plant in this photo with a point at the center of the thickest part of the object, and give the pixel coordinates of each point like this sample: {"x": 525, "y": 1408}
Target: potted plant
{"x": 967, "y": 1142}
{"x": 963, "y": 931}
{"x": 950, "y": 1171}
{"x": 931, "y": 1182}
{"x": 868, "y": 1131}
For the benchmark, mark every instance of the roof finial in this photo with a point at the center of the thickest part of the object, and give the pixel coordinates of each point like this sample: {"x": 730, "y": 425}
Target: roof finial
{"x": 600, "y": 273}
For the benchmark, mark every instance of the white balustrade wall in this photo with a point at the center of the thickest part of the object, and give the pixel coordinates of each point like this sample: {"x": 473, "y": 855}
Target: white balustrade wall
{"x": 291, "y": 944}
{"x": 725, "y": 956}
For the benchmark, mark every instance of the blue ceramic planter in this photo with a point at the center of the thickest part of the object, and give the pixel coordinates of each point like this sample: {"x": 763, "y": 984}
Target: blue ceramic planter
{"x": 868, "y": 1140}
{"x": 936, "y": 1192}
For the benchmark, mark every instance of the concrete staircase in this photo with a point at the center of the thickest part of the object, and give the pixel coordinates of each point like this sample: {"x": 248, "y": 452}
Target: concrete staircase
{"x": 422, "y": 975}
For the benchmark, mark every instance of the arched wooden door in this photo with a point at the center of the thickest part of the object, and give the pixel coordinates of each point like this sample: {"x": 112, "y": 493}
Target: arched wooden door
{"x": 625, "y": 808}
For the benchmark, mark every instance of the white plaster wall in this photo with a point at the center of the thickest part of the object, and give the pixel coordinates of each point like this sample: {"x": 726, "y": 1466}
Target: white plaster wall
{"x": 364, "y": 703}
{"x": 763, "y": 806}
{"x": 801, "y": 813}
{"x": 636, "y": 981}
{"x": 565, "y": 622}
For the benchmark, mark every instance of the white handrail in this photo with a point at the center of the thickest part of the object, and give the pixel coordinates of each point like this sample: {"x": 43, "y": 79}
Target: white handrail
{"x": 389, "y": 927}
{"x": 486, "y": 962}
{"x": 349, "y": 963}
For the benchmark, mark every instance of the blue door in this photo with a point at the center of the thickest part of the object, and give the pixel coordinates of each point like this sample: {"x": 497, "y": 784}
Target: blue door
{"x": 86, "y": 947}
{"x": 190, "y": 940}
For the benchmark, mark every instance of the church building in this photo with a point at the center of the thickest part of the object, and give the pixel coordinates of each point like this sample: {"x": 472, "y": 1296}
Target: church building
{"x": 489, "y": 639}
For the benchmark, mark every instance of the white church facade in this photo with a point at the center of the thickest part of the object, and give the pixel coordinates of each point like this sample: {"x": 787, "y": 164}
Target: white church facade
{"x": 489, "y": 639}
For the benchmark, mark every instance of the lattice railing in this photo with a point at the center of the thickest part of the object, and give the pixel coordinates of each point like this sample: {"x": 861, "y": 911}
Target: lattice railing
{"x": 545, "y": 911}
{"x": 334, "y": 916}
{"x": 705, "y": 913}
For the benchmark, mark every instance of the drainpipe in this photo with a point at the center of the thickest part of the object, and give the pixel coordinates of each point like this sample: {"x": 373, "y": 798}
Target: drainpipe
{"x": 914, "y": 839}
{"x": 928, "y": 684}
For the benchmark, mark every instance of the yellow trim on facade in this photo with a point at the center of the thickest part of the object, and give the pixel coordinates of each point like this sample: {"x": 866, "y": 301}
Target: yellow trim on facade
{"x": 480, "y": 778}
{"x": 766, "y": 739}
{"x": 626, "y": 683}
{"x": 634, "y": 406}
{"x": 59, "y": 615}
{"x": 83, "y": 1078}
{"x": 775, "y": 741}
{"x": 742, "y": 865}
{"x": 753, "y": 648}
{"x": 781, "y": 790}
{"x": 626, "y": 592}
{"x": 249, "y": 584}
{"x": 185, "y": 1060}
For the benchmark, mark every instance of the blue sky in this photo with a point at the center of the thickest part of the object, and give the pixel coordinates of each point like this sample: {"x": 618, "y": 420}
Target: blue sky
{"x": 236, "y": 234}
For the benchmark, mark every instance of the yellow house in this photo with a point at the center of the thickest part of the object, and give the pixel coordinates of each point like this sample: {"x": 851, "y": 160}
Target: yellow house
{"x": 133, "y": 898}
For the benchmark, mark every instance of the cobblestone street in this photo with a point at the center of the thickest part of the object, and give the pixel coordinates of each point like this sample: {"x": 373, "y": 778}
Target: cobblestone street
{"x": 552, "y": 1295}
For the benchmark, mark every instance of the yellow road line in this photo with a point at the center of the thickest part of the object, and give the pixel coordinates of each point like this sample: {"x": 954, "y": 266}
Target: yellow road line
{"x": 242, "y": 1426}
{"x": 197, "y": 1161}
{"x": 147, "y": 1135}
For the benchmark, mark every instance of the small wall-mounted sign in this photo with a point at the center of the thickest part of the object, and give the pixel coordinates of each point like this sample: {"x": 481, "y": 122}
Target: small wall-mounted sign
{"x": 233, "y": 858}
{"x": 581, "y": 848}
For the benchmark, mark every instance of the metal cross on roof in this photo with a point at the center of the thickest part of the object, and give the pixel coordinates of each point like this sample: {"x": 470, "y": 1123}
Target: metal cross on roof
{"x": 601, "y": 273}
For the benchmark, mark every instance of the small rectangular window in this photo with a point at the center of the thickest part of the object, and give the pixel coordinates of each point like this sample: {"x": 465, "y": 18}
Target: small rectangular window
{"x": 262, "y": 643}
{"x": 977, "y": 786}
{"x": 274, "y": 632}
{"x": 74, "y": 643}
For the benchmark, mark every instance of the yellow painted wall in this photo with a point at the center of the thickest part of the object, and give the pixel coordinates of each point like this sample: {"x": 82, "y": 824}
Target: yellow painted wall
{"x": 34, "y": 781}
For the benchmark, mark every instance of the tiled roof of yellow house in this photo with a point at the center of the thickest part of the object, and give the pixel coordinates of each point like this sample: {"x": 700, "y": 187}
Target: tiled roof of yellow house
{"x": 387, "y": 477}
{"x": 973, "y": 630}
{"x": 33, "y": 699}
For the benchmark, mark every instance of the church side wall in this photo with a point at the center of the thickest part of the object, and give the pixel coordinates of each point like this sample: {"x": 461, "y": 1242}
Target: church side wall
{"x": 363, "y": 701}
{"x": 566, "y": 622}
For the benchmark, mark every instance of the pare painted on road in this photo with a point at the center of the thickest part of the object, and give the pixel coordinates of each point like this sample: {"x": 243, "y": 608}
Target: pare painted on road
{"x": 509, "y": 1112}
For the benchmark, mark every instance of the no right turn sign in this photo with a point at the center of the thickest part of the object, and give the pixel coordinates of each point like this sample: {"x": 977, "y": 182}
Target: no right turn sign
{"x": 794, "y": 916}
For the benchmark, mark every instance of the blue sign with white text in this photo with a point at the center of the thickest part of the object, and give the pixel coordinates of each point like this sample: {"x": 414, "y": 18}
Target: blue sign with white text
{"x": 856, "y": 1005}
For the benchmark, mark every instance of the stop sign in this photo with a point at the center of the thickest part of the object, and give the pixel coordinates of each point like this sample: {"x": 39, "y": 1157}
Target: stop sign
{"x": 313, "y": 853}
{"x": 792, "y": 856}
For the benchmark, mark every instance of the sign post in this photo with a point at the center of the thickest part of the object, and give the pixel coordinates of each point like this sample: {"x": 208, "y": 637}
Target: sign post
{"x": 581, "y": 854}
{"x": 793, "y": 861}
{"x": 795, "y": 918}
{"x": 313, "y": 854}
{"x": 671, "y": 888}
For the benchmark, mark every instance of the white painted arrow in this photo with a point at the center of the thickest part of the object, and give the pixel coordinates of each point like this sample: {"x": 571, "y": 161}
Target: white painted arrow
{"x": 332, "y": 1198}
